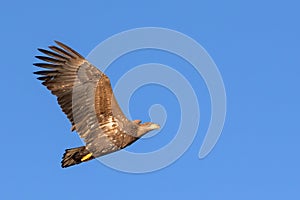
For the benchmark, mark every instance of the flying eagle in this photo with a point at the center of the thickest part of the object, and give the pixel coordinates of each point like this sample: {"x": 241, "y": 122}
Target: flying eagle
{"x": 85, "y": 95}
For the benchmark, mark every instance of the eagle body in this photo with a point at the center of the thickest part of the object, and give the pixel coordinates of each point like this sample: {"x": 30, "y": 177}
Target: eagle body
{"x": 85, "y": 95}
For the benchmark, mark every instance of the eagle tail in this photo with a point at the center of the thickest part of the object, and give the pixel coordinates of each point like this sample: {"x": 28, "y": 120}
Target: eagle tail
{"x": 75, "y": 156}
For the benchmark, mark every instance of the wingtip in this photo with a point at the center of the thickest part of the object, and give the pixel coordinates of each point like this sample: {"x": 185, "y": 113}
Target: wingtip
{"x": 69, "y": 49}
{"x": 42, "y": 50}
{"x": 59, "y": 43}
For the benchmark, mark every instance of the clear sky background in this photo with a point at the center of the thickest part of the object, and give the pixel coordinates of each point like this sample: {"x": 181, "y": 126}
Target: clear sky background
{"x": 256, "y": 47}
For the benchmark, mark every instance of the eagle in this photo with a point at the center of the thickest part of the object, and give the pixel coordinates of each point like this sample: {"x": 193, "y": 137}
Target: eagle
{"x": 85, "y": 95}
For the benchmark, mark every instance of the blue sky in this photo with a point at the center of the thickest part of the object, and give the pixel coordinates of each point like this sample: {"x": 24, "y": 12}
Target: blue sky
{"x": 256, "y": 47}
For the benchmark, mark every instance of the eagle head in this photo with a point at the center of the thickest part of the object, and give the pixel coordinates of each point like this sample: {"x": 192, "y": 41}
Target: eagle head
{"x": 145, "y": 127}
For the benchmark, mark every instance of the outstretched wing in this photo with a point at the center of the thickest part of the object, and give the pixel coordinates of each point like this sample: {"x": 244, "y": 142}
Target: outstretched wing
{"x": 85, "y": 95}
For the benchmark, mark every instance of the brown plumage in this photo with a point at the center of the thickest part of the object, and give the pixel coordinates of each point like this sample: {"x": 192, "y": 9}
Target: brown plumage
{"x": 85, "y": 95}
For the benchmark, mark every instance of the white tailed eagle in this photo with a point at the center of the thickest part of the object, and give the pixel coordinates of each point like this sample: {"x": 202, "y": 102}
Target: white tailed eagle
{"x": 85, "y": 95}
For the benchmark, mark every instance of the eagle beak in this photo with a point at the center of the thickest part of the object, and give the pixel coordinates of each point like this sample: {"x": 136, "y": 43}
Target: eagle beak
{"x": 155, "y": 126}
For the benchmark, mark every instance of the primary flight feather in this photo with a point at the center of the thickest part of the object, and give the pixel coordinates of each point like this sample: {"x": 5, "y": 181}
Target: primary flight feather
{"x": 85, "y": 95}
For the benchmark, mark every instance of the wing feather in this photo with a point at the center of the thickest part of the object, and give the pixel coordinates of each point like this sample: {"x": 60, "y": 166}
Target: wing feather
{"x": 61, "y": 52}
{"x": 52, "y": 54}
